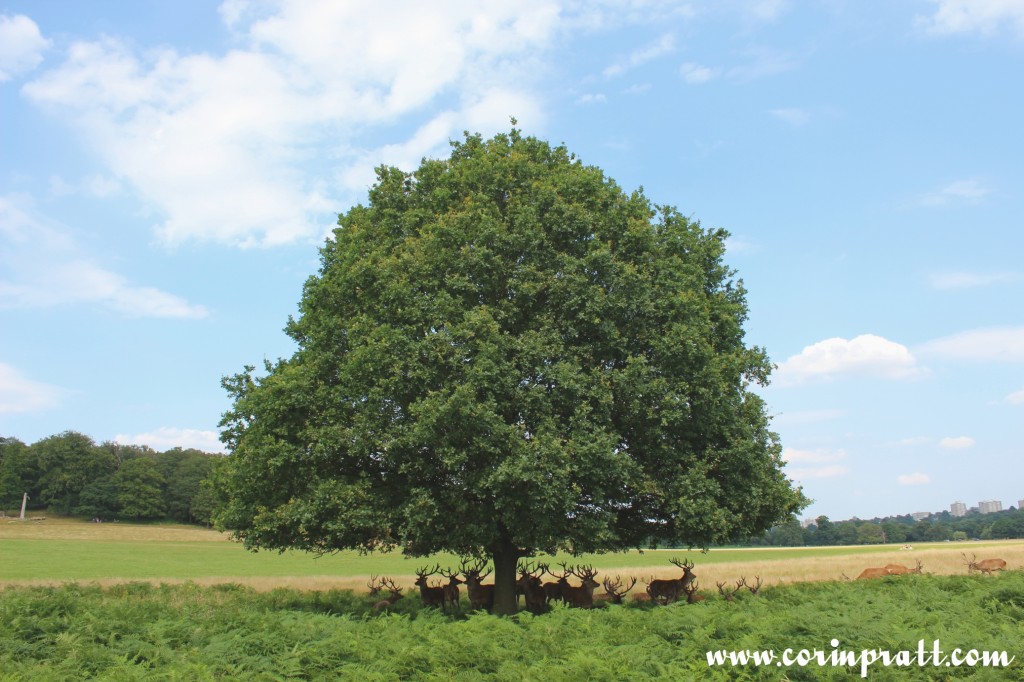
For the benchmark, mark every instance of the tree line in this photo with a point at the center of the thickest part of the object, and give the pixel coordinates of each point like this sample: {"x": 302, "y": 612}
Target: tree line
{"x": 896, "y": 529}
{"x": 70, "y": 474}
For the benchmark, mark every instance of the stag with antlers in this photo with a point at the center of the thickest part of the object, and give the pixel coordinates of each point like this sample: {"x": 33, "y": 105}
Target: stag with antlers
{"x": 667, "y": 591}
{"x": 614, "y": 591}
{"x": 451, "y": 590}
{"x": 480, "y": 596}
{"x": 730, "y": 595}
{"x": 431, "y": 595}
{"x": 691, "y": 593}
{"x": 394, "y": 592}
{"x": 986, "y": 566}
{"x": 581, "y": 596}
{"x": 530, "y": 584}
{"x": 900, "y": 569}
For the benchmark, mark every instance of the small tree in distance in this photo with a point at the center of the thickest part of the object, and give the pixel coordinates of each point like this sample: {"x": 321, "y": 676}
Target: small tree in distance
{"x": 504, "y": 354}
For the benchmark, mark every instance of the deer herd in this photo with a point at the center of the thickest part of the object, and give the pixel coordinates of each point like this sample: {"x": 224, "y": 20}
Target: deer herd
{"x": 539, "y": 594}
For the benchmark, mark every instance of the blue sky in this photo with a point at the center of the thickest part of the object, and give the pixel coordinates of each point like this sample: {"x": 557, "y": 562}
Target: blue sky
{"x": 168, "y": 171}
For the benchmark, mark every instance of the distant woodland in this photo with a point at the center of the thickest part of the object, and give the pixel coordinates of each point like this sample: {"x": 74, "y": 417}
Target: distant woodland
{"x": 72, "y": 475}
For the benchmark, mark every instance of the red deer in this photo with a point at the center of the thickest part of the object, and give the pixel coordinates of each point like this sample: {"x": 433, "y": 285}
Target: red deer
{"x": 691, "y": 593}
{"x": 583, "y": 595}
{"x": 730, "y": 595}
{"x": 613, "y": 591}
{"x": 451, "y": 590}
{"x": 667, "y": 591}
{"x": 756, "y": 587}
{"x": 395, "y": 594}
{"x": 900, "y": 569}
{"x": 867, "y": 573}
{"x": 986, "y": 566}
{"x": 432, "y": 596}
{"x": 552, "y": 589}
{"x": 530, "y": 584}
{"x": 480, "y": 596}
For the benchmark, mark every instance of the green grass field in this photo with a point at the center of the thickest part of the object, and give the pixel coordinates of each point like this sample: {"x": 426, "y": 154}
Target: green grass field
{"x": 62, "y": 550}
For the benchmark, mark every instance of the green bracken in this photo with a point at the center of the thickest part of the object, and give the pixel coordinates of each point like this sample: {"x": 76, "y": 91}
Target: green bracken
{"x": 186, "y": 632}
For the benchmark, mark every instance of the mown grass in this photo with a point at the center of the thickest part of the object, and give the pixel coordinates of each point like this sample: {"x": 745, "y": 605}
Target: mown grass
{"x": 138, "y": 631}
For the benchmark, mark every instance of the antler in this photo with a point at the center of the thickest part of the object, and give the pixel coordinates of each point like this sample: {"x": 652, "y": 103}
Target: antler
{"x": 374, "y": 585}
{"x": 685, "y": 565}
{"x": 423, "y": 572}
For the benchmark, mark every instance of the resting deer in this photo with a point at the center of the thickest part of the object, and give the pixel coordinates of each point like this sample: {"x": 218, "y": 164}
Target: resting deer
{"x": 869, "y": 573}
{"x": 613, "y": 591}
{"x": 900, "y": 569}
{"x": 691, "y": 593}
{"x": 730, "y": 595}
{"x": 667, "y": 591}
{"x": 986, "y": 566}
{"x": 451, "y": 590}
{"x": 756, "y": 587}
{"x": 583, "y": 595}
{"x": 480, "y": 596}
{"x": 395, "y": 593}
{"x": 432, "y": 596}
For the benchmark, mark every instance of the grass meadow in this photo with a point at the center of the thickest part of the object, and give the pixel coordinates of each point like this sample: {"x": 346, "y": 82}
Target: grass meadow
{"x": 136, "y": 602}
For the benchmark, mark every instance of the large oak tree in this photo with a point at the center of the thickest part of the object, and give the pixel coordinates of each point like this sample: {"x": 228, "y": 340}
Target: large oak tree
{"x": 503, "y": 353}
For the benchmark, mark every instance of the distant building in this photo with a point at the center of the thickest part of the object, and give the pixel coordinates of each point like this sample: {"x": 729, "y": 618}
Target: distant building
{"x": 989, "y": 506}
{"x": 1020, "y": 504}
{"x": 958, "y": 509}
{"x": 808, "y": 522}
{"x": 917, "y": 516}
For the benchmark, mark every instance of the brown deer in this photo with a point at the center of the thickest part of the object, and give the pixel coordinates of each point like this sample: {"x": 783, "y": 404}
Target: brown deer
{"x": 375, "y": 585}
{"x": 986, "y": 566}
{"x": 431, "y": 595}
{"x": 755, "y": 589}
{"x": 395, "y": 593}
{"x": 667, "y": 591}
{"x": 582, "y": 596}
{"x": 691, "y": 593}
{"x": 900, "y": 569}
{"x": 868, "y": 573}
{"x": 730, "y": 595}
{"x": 552, "y": 588}
{"x": 613, "y": 590}
{"x": 480, "y": 596}
{"x": 451, "y": 590}
{"x": 530, "y": 584}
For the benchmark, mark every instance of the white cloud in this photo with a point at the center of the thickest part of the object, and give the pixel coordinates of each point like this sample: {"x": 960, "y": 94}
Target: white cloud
{"x": 18, "y": 393}
{"x": 956, "y": 442}
{"x": 794, "y": 117}
{"x": 914, "y": 479}
{"x": 166, "y": 438}
{"x": 1016, "y": 398}
{"x": 960, "y": 191}
{"x": 591, "y": 98}
{"x": 971, "y": 280}
{"x": 975, "y": 16}
{"x": 865, "y": 355}
{"x": 1000, "y": 344}
{"x": 42, "y": 268}
{"x": 696, "y": 74}
{"x": 666, "y": 44}
{"x": 242, "y": 147}
{"x": 21, "y": 46}
{"x": 814, "y": 463}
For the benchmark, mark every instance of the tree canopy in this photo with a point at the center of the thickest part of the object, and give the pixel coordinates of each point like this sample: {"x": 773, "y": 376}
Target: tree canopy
{"x": 504, "y": 353}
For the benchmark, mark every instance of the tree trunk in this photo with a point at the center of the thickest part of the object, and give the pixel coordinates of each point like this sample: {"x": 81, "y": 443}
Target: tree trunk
{"x": 506, "y": 559}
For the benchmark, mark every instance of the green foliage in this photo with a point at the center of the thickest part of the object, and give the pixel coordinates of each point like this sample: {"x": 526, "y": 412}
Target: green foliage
{"x": 69, "y": 474}
{"x": 140, "y": 489}
{"x": 504, "y": 352}
{"x": 138, "y": 631}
